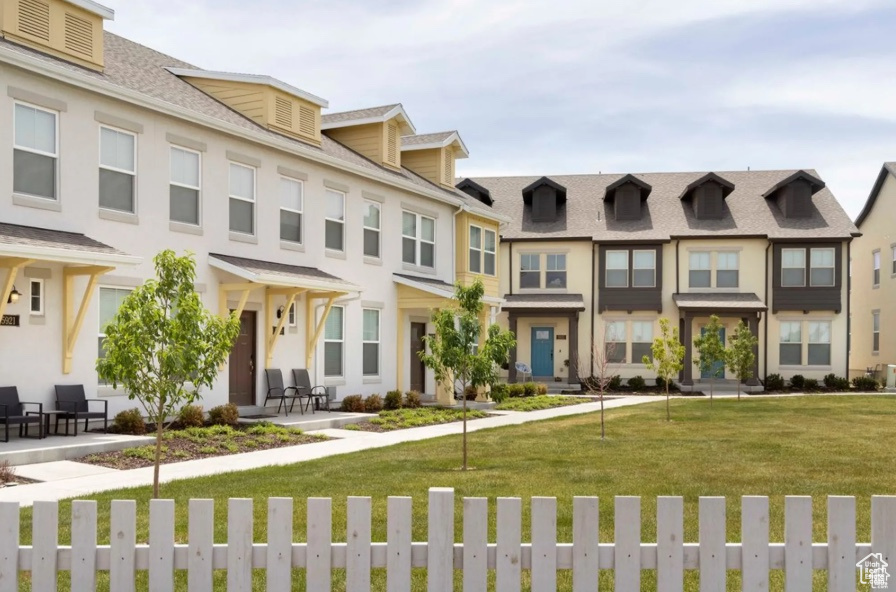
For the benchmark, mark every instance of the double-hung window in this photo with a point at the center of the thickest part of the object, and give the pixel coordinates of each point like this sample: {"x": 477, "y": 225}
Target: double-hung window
{"x": 371, "y": 342}
{"x": 475, "y": 249}
{"x": 821, "y": 267}
{"x": 643, "y": 270}
{"x": 292, "y": 195}
{"x": 893, "y": 270}
{"x": 334, "y": 342}
{"x": 185, "y": 186}
{"x": 875, "y": 331}
{"x": 483, "y": 246}
{"x": 490, "y": 247}
{"x": 700, "y": 270}
{"x": 242, "y": 198}
{"x": 35, "y": 151}
{"x": 727, "y": 269}
{"x": 819, "y": 343}
{"x": 617, "y": 269}
{"x": 118, "y": 169}
{"x": 791, "y": 347}
{"x": 875, "y": 257}
{"x": 110, "y": 301}
{"x": 371, "y": 229}
{"x": 334, "y": 239}
{"x": 793, "y": 268}
{"x": 291, "y": 316}
{"x": 642, "y": 341}
{"x": 530, "y": 270}
{"x": 615, "y": 339}
{"x": 37, "y": 297}
{"x": 555, "y": 271}
{"x": 418, "y": 236}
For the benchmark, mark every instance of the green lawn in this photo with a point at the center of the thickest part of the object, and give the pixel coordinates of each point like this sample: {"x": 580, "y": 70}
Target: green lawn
{"x": 539, "y": 402}
{"x": 815, "y": 445}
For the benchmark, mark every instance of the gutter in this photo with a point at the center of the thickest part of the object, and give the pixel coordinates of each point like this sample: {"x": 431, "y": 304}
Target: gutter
{"x": 765, "y": 326}
{"x": 848, "y": 302}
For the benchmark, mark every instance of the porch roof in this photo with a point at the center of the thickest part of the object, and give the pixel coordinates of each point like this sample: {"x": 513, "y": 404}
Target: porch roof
{"x": 280, "y": 274}
{"x": 709, "y": 302}
{"x": 553, "y": 302}
{"x": 434, "y": 286}
{"x": 43, "y": 244}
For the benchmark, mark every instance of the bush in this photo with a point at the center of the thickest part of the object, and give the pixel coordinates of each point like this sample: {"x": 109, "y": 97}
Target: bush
{"x": 191, "y": 416}
{"x": 615, "y": 383}
{"x": 810, "y": 384}
{"x": 130, "y": 422}
{"x": 352, "y": 404}
{"x": 516, "y": 389}
{"x": 774, "y": 382}
{"x": 500, "y": 392}
{"x": 636, "y": 383}
{"x": 864, "y": 383}
{"x": 393, "y": 400}
{"x": 227, "y": 415}
{"x": 529, "y": 389}
{"x": 797, "y": 381}
{"x": 471, "y": 392}
{"x": 834, "y": 382}
{"x": 373, "y": 404}
{"x": 412, "y": 400}
{"x": 541, "y": 389}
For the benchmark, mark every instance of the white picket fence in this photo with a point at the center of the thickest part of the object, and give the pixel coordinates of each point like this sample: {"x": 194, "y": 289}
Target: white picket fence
{"x": 670, "y": 556}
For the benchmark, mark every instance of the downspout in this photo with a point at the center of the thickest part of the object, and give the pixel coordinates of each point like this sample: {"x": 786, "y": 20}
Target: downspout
{"x": 677, "y": 241}
{"x": 510, "y": 269}
{"x": 454, "y": 242}
{"x": 848, "y": 298}
{"x": 593, "y": 303}
{"x": 765, "y": 325}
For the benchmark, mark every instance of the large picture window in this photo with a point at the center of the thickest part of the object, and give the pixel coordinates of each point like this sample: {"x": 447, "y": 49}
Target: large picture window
{"x": 292, "y": 194}
{"x": 242, "y": 198}
{"x": 185, "y": 186}
{"x": 334, "y": 342}
{"x": 371, "y": 342}
{"x": 35, "y": 151}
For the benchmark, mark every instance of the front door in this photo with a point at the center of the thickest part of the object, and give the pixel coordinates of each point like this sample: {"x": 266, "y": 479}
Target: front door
{"x": 542, "y": 351}
{"x": 718, "y": 369}
{"x": 242, "y": 362}
{"x": 418, "y": 370}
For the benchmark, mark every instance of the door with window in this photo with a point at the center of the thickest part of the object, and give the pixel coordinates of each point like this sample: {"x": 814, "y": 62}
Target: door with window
{"x": 542, "y": 351}
{"x": 418, "y": 370}
{"x": 718, "y": 369}
{"x": 242, "y": 362}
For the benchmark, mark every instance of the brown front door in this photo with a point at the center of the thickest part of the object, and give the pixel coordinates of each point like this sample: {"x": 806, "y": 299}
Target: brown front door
{"x": 418, "y": 370}
{"x": 242, "y": 362}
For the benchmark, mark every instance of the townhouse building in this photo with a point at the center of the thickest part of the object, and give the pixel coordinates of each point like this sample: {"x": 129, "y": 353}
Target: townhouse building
{"x": 332, "y": 236}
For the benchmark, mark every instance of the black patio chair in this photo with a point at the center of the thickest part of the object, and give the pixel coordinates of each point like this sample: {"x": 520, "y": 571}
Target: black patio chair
{"x": 276, "y": 390}
{"x": 12, "y": 411}
{"x": 319, "y": 395}
{"x": 73, "y": 404}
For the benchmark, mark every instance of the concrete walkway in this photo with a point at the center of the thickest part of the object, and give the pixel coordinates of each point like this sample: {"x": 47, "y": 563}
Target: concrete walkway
{"x": 77, "y": 484}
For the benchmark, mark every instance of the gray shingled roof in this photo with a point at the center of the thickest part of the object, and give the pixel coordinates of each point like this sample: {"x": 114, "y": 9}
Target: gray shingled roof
{"x": 13, "y": 234}
{"x": 425, "y": 138}
{"x": 357, "y": 114}
{"x": 715, "y": 301}
{"x": 585, "y": 215}
{"x": 435, "y": 283}
{"x": 553, "y": 301}
{"x": 294, "y": 272}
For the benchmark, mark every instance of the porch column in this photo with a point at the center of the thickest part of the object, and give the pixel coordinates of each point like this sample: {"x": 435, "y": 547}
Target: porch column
{"x": 753, "y": 324}
{"x": 686, "y": 330}
{"x": 511, "y": 372}
{"x": 573, "y": 347}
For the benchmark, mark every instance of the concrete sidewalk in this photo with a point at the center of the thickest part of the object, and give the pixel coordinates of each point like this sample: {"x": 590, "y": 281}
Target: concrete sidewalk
{"x": 93, "y": 481}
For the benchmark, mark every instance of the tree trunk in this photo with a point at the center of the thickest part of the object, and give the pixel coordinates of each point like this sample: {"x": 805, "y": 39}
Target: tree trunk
{"x": 465, "y": 425}
{"x": 668, "y": 413}
{"x": 158, "y": 460}
{"x": 602, "y": 432}
{"x": 712, "y": 382}
{"x": 738, "y": 389}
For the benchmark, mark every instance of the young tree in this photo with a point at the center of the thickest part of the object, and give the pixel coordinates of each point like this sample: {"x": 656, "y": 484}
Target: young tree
{"x": 668, "y": 353}
{"x": 739, "y": 356}
{"x": 602, "y": 354}
{"x": 163, "y": 338}
{"x": 455, "y": 353}
{"x": 710, "y": 352}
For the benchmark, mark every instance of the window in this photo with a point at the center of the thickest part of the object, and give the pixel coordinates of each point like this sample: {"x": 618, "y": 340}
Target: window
{"x": 727, "y": 270}
{"x": 642, "y": 340}
{"x": 875, "y": 331}
{"x": 617, "y": 269}
{"x": 242, "y": 198}
{"x": 791, "y": 353}
{"x": 371, "y": 229}
{"x": 555, "y": 271}
{"x": 700, "y": 274}
{"x": 821, "y": 267}
{"x": 819, "y": 343}
{"x": 118, "y": 169}
{"x": 292, "y": 195}
{"x": 333, "y": 342}
{"x": 793, "y": 267}
{"x": 185, "y": 186}
{"x": 644, "y": 270}
{"x": 482, "y": 250}
{"x": 110, "y": 301}
{"x": 291, "y": 316}
{"x": 615, "y": 339}
{"x": 37, "y": 298}
{"x": 475, "y": 249}
{"x": 335, "y": 221}
{"x": 489, "y": 256}
{"x": 894, "y": 260}
{"x": 371, "y": 342}
{"x": 418, "y": 245}
{"x": 35, "y": 151}
{"x": 876, "y": 258}
{"x": 530, "y": 270}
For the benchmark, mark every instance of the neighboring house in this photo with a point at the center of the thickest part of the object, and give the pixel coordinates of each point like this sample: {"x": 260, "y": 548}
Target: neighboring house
{"x": 873, "y": 266}
{"x": 765, "y": 247}
{"x": 332, "y": 236}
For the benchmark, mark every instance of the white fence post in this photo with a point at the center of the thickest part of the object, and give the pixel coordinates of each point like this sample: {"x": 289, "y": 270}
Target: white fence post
{"x": 123, "y": 547}
{"x": 44, "y": 541}
{"x": 83, "y": 574}
{"x": 398, "y": 552}
{"x": 319, "y": 557}
{"x": 670, "y": 544}
{"x": 201, "y": 534}
{"x": 754, "y": 547}
{"x": 883, "y": 532}
{"x": 161, "y": 545}
{"x": 279, "y": 553}
{"x": 585, "y": 544}
{"x": 9, "y": 546}
{"x": 842, "y": 544}
{"x": 544, "y": 544}
{"x": 440, "y": 554}
{"x": 239, "y": 545}
{"x": 357, "y": 553}
{"x": 509, "y": 553}
{"x": 627, "y": 541}
{"x": 475, "y": 543}
{"x": 713, "y": 560}
{"x": 797, "y": 543}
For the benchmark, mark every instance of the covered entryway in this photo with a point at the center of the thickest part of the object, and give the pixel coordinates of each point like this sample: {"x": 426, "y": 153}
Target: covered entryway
{"x": 542, "y": 324}
{"x": 718, "y": 369}
{"x": 242, "y": 362}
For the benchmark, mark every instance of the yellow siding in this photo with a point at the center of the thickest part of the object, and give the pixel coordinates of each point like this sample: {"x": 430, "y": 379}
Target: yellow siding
{"x": 365, "y": 139}
{"x": 409, "y": 297}
{"x": 248, "y": 99}
{"x": 464, "y": 275}
{"x": 426, "y": 163}
{"x": 55, "y": 27}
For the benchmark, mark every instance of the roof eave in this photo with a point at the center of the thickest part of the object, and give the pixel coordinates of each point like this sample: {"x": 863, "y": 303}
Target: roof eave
{"x": 872, "y": 197}
{"x": 277, "y": 280}
{"x": 454, "y": 138}
{"x": 95, "y": 8}
{"x": 71, "y": 256}
{"x": 251, "y": 79}
{"x": 406, "y": 127}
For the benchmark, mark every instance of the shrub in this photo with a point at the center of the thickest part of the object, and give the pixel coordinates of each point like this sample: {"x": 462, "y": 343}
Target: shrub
{"x": 412, "y": 400}
{"x": 352, "y": 404}
{"x": 130, "y": 422}
{"x": 774, "y": 382}
{"x": 864, "y": 383}
{"x": 615, "y": 383}
{"x": 516, "y": 390}
{"x": 191, "y": 416}
{"x": 810, "y": 384}
{"x": 834, "y": 382}
{"x": 500, "y": 392}
{"x": 529, "y": 389}
{"x": 471, "y": 392}
{"x": 797, "y": 381}
{"x": 541, "y": 389}
{"x": 227, "y": 415}
{"x": 636, "y": 383}
{"x": 7, "y": 472}
{"x": 373, "y": 404}
{"x": 392, "y": 400}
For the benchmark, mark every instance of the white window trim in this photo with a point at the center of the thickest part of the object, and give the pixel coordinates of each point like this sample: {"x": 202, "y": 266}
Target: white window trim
{"x": 629, "y": 338}
{"x": 327, "y": 192}
{"x": 252, "y": 201}
{"x": 607, "y": 268}
{"x": 419, "y": 240}
{"x": 378, "y": 230}
{"x": 652, "y": 252}
{"x": 832, "y": 267}
{"x": 300, "y": 212}
{"x": 875, "y": 266}
{"x": 829, "y": 343}
{"x": 893, "y": 263}
{"x": 291, "y": 316}
{"x": 539, "y": 271}
{"x": 133, "y": 173}
{"x": 43, "y": 296}
{"x": 805, "y": 268}
{"x": 544, "y": 273}
{"x": 479, "y": 251}
{"x": 54, "y": 155}
{"x": 875, "y": 314}
{"x": 198, "y": 188}
{"x": 378, "y": 342}
{"x": 339, "y": 341}
{"x": 485, "y": 251}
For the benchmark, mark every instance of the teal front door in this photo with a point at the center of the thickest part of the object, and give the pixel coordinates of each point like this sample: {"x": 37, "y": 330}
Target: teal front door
{"x": 542, "y": 351}
{"x": 718, "y": 369}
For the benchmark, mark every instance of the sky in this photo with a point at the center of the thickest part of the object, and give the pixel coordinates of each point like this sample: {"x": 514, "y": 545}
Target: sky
{"x": 539, "y": 87}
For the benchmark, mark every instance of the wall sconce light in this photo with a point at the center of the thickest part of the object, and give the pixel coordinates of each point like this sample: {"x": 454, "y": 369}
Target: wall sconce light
{"x": 13, "y": 296}
{"x": 280, "y": 312}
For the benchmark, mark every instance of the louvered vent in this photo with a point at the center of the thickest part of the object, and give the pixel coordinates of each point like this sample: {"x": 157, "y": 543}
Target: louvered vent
{"x": 392, "y": 144}
{"x": 306, "y": 121}
{"x": 449, "y": 169}
{"x": 34, "y": 19}
{"x": 283, "y": 112}
{"x": 78, "y": 35}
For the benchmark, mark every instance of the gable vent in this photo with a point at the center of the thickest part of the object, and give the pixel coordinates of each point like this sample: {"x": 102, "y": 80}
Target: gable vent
{"x": 392, "y": 143}
{"x": 283, "y": 112}
{"x": 78, "y": 35}
{"x": 306, "y": 120}
{"x": 34, "y": 19}
{"x": 449, "y": 168}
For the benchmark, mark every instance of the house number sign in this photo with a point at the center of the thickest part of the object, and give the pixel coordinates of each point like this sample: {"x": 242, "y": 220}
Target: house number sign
{"x": 9, "y": 321}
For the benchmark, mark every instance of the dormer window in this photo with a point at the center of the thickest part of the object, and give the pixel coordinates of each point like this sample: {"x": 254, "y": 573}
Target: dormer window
{"x": 544, "y": 198}
{"x": 476, "y": 191}
{"x": 707, "y": 196}
{"x": 794, "y": 194}
{"x": 627, "y": 195}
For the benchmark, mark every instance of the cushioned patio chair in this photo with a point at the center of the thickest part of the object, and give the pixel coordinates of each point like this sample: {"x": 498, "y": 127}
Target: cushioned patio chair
{"x": 276, "y": 390}
{"x": 12, "y": 412}
{"x": 71, "y": 400}
{"x": 319, "y": 395}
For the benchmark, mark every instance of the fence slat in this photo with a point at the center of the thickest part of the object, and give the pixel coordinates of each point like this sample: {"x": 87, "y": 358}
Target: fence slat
{"x": 83, "y": 568}
{"x": 9, "y": 546}
{"x": 279, "y": 551}
{"x": 123, "y": 547}
{"x": 161, "y": 545}
{"x": 398, "y": 540}
{"x": 797, "y": 543}
{"x": 585, "y": 558}
{"x": 239, "y": 545}
{"x": 320, "y": 536}
{"x": 44, "y": 539}
{"x": 627, "y": 538}
{"x": 509, "y": 552}
{"x": 754, "y": 533}
{"x": 883, "y": 531}
{"x": 841, "y": 543}
{"x": 475, "y": 543}
{"x": 712, "y": 544}
{"x": 544, "y": 544}
{"x": 201, "y": 540}
{"x": 670, "y": 544}
{"x": 440, "y": 555}
{"x": 357, "y": 576}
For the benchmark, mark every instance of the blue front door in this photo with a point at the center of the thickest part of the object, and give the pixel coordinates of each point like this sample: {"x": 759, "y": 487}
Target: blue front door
{"x": 542, "y": 351}
{"x": 718, "y": 369}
